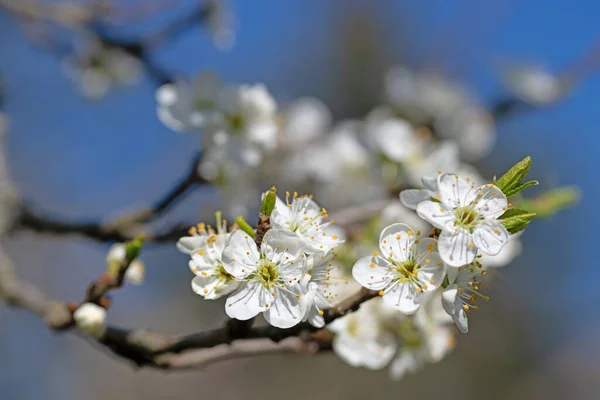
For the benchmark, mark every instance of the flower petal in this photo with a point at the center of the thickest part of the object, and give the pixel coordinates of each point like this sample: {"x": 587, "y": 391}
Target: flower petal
{"x": 211, "y": 287}
{"x": 287, "y": 309}
{"x": 456, "y": 247}
{"x": 240, "y": 256}
{"x": 403, "y": 297}
{"x": 455, "y": 191}
{"x": 412, "y": 197}
{"x": 372, "y": 272}
{"x": 437, "y": 214}
{"x": 491, "y": 202}
{"x": 461, "y": 320}
{"x": 449, "y": 299}
{"x": 247, "y": 301}
{"x": 396, "y": 240}
{"x": 187, "y": 244}
{"x": 279, "y": 244}
{"x": 490, "y": 236}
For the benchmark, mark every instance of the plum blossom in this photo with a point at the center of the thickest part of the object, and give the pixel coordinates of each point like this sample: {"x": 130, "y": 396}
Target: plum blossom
{"x": 407, "y": 267}
{"x": 426, "y": 338}
{"x": 205, "y": 247}
{"x": 467, "y": 216}
{"x": 362, "y": 340}
{"x": 117, "y": 255}
{"x": 90, "y": 318}
{"x": 322, "y": 284}
{"x": 460, "y": 296}
{"x": 270, "y": 277}
{"x": 307, "y": 221}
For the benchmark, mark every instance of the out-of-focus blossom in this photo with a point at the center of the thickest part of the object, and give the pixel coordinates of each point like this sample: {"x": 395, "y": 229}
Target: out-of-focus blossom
{"x": 117, "y": 255}
{"x": 99, "y": 67}
{"x": 305, "y": 119}
{"x": 362, "y": 340}
{"x": 408, "y": 266}
{"x": 534, "y": 85}
{"x": 189, "y": 106}
{"x": 90, "y": 318}
{"x": 220, "y": 23}
{"x": 427, "y": 338}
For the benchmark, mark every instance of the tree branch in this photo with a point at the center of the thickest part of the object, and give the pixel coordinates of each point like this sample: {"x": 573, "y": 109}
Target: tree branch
{"x": 124, "y": 228}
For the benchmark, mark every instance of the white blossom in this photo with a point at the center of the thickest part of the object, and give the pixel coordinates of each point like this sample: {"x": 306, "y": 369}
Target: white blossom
{"x": 467, "y": 216}
{"x": 98, "y": 67}
{"x": 307, "y": 221}
{"x": 306, "y": 119}
{"x": 270, "y": 277}
{"x": 534, "y": 84}
{"x": 460, "y": 296}
{"x": 90, "y": 318}
{"x": 205, "y": 248}
{"x": 408, "y": 266}
{"x": 322, "y": 284}
{"x": 190, "y": 106}
{"x": 427, "y": 338}
{"x": 135, "y": 272}
{"x": 361, "y": 340}
{"x": 116, "y": 255}
{"x": 507, "y": 255}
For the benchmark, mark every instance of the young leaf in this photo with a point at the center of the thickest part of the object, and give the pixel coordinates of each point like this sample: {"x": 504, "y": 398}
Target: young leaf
{"x": 515, "y": 220}
{"x": 510, "y": 181}
{"x": 520, "y": 188}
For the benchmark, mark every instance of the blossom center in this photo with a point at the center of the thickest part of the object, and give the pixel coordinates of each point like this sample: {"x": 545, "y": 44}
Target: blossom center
{"x": 466, "y": 217}
{"x": 236, "y": 122}
{"x": 267, "y": 273}
{"x": 405, "y": 270}
{"x": 222, "y": 274}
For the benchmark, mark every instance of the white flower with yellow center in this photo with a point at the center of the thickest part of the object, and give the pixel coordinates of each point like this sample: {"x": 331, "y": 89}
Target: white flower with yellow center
{"x": 467, "y": 216}
{"x": 322, "y": 284}
{"x": 460, "y": 297}
{"x": 307, "y": 221}
{"x": 361, "y": 339}
{"x": 270, "y": 277}
{"x": 408, "y": 266}
{"x": 205, "y": 247}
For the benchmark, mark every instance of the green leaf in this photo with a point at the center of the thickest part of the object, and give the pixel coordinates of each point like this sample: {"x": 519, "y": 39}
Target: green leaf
{"x": 268, "y": 203}
{"x": 513, "y": 179}
{"x": 245, "y": 226}
{"x": 520, "y": 188}
{"x": 515, "y": 220}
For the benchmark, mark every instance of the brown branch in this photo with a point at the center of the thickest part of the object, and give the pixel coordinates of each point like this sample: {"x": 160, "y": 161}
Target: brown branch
{"x": 124, "y": 228}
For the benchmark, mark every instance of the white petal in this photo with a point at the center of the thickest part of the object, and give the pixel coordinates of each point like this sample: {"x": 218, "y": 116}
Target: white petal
{"x": 211, "y": 287}
{"x": 379, "y": 352}
{"x": 406, "y": 362}
{"x": 455, "y": 191}
{"x": 372, "y": 272}
{"x": 412, "y": 197}
{"x": 279, "y": 244}
{"x": 287, "y": 309}
{"x": 491, "y": 202}
{"x": 452, "y": 273}
{"x": 449, "y": 299}
{"x": 247, "y": 301}
{"x": 396, "y": 240}
{"x": 403, "y": 297}
{"x": 490, "y": 236}
{"x": 437, "y": 214}
{"x": 187, "y": 244}
{"x": 240, "y": 256}
{"x": 461, "y": 320}
{"x": 430, "y": 183}
{"x": 456, "y": 247}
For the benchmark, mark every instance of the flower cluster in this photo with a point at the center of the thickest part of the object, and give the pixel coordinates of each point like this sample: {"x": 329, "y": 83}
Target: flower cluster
{"x": 287, "y": 275}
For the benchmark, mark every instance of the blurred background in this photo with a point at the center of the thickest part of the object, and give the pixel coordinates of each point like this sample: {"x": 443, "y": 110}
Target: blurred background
{"x": 87, "y": 159}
